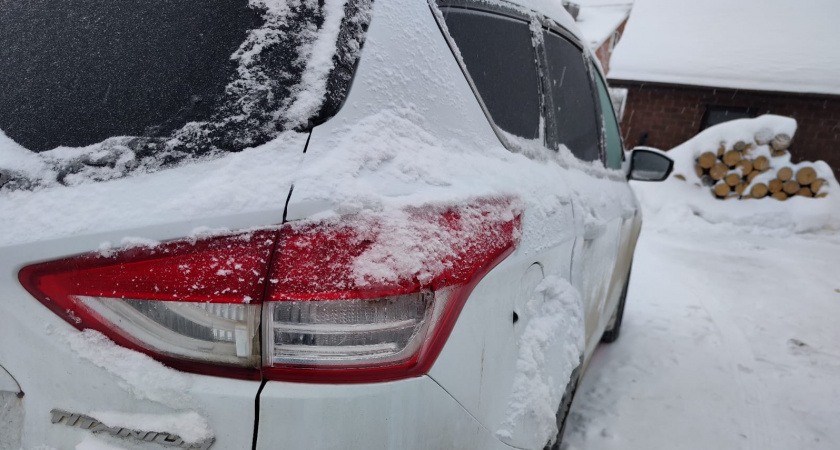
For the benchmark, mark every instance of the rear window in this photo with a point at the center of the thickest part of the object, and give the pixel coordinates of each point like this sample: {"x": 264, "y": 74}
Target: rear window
{"x": 499, "y": 55}
{"x": 174, "y": 79}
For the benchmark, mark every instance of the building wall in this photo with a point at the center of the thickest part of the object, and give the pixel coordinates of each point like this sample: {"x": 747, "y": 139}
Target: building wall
{"x": 670, "y": 115}
{"x": 604, "y": 52}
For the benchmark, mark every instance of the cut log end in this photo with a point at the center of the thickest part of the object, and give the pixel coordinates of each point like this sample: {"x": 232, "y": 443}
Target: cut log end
{"x": 806, "y": 176}
{"x": 804, "y": 192}
{"x": 759, "y": 190}
{"x": 761, "y": 163}
{"x": 746, "y": 167}
{"x": 732, "y": 179}
{"x": 785, "y": 173}
{"x": 722, "y": 189}
{"x": 816, "y": 185}
{"x": 780, "y": 142}
{"x": 780, "y": 196}
{"x": 718, "y": 171}
{"x": 707, "y": 160}
{"x": 791, "y": 187}
{"x": 731, "y": 158}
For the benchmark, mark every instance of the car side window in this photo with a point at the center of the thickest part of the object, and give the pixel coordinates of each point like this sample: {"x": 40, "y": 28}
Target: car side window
{"x": 615, "y": 151}
{"x": 572, "y": 116}
{"x": 500, "y": 58}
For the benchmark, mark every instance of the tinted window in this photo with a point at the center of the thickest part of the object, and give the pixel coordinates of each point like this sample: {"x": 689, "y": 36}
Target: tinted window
{"x": 611, "y": 131}
{"x": 572, "y": 115}
{"x": 176, "y": 76}
{"x": 499, "y": 55}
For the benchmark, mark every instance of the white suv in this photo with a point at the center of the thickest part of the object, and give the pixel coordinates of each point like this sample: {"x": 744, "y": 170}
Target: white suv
{"x": 280, "y": 224}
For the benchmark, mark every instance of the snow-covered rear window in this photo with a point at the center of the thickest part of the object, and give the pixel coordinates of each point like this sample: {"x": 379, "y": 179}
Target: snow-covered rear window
{"x": 172, "y": 80}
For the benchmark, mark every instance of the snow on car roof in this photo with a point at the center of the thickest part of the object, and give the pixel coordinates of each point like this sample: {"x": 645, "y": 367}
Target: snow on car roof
{"x": 768, "y": 45}
{"x": 553, "y": 9}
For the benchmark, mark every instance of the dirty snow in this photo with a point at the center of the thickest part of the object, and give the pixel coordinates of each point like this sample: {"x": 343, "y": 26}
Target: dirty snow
{"x": 796, "y": 213}
{"x": 729, "y": 341}
{"x": 11, "y": 420}
{"x": 773, "y": 45}
{"x": 556, "y": 325}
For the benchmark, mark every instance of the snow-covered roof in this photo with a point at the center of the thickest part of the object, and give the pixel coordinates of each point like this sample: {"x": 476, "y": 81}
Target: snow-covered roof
{"x": 768, "y": 45}
{"x": 598, "y": 21}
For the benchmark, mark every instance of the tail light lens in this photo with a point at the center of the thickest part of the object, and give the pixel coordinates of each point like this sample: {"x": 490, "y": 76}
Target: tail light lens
{"x": 192, "y": 305}
{"x": 356, "y": 299}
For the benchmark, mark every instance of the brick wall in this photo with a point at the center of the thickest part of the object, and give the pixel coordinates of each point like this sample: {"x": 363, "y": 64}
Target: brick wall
{"x": 670, "y": 115}
{"x": 604, "y": 52}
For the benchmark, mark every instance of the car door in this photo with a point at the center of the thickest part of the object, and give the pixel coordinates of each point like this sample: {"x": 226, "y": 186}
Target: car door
{"x": 631, "y": 222}
{"x": 574, "y": 122}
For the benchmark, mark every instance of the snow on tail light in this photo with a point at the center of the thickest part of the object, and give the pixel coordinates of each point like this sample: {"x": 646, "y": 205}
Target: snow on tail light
{"x": 374, "y": 298}
{"x": 192, "y": 305}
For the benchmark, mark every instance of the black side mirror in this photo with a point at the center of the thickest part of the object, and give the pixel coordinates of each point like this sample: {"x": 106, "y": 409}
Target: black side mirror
{"x": 647, "y": 164}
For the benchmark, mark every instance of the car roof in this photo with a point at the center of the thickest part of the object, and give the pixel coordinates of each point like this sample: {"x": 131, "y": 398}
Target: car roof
{"x": 552, "y": 9}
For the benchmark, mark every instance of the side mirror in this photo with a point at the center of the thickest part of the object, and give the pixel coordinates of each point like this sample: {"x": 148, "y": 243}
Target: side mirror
{"x": 648, "y": 164}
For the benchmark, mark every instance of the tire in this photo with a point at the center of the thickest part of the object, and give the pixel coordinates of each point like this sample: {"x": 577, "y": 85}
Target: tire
{"x": 611, "y": 333}
{"x": 565, "y": 406}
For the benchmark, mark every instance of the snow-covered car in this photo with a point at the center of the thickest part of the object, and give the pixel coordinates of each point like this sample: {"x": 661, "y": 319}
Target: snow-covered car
{"x": 271, "y": 224}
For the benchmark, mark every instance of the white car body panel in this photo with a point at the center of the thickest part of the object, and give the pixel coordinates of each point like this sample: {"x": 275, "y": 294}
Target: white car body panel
{"x": 415, "y": 413}
{"x": 462, "y": 401}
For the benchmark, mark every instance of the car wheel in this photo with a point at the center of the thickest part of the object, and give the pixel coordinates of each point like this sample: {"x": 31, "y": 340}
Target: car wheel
{"x": 565, "y": 406}
{"x": 614, "y": 327}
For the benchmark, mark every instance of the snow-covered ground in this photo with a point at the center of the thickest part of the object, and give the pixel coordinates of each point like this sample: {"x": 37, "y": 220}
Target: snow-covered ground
{"x": 730, "y": 341}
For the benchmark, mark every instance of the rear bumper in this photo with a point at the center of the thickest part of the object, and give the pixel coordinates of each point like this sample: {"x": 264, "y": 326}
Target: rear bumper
{"x": 408, "y": 414}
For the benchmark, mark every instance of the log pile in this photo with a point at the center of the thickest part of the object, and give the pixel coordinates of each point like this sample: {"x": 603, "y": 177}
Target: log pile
{"x": 730, "y": 172}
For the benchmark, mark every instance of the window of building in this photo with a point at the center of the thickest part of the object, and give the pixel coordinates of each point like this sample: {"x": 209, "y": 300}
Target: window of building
{"x": 572, "y": 116}
{"x": 499, "y": 55}
{"x": 720, "y": 114}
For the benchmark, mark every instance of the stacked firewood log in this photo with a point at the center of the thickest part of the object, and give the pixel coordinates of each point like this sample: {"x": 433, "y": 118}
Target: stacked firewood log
{"x": 730, "y": 172}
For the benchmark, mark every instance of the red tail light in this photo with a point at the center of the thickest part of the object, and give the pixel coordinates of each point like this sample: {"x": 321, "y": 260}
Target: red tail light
{"x": 194, "y": 306}
{"x": 356, "y": 299}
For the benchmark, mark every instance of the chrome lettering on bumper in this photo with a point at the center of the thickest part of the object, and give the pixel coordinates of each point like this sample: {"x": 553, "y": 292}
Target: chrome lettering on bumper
{"x": 89, "y": 423}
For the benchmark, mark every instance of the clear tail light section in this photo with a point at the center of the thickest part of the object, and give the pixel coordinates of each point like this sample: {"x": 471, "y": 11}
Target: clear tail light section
{"x": 192, "y": 305}
{"x": 349, "y": 300}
